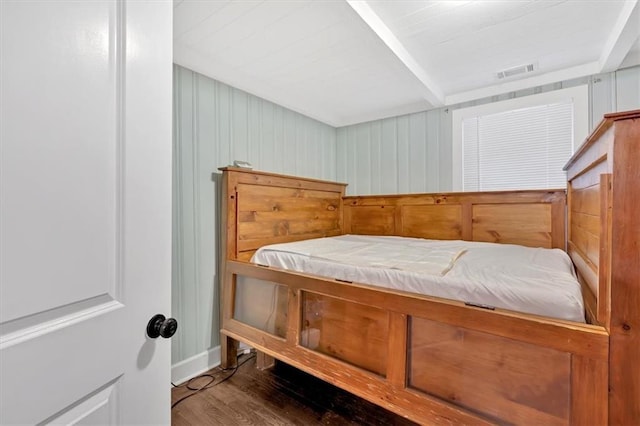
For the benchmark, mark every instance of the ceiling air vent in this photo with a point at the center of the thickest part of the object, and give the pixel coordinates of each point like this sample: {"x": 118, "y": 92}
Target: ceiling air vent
{"x": 510, "y": 72}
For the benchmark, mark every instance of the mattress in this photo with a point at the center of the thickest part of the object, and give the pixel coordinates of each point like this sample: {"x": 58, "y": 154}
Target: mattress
{"x": 524, "y": 279}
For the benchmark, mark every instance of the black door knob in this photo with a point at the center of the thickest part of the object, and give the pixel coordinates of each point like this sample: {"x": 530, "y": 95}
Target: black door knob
{"x": 159, "y": 325}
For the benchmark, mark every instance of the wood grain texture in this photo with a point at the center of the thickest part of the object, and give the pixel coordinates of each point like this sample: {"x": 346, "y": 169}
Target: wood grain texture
{"x": 585, "y": 267}
{"x": 272, "y": 212}
{"x": 351, "y": 332}
{"x": 624, "y": 372}
{"x": 499, "y": 377}
{"x": 265, "y": 208}
{"x": 564, "y": 336}
{"x": 264, "y": 361}
{"x": 604, "y": 267}
{"x": 586, "y": 221}
{"x": 594, "y": 151}
{"x": 605, "y": 178}
{"x": 371, "y": 220}
{"x": 438, "y": 222}
{"x": 589, "y": 383}
{"x": 524, "y": 224}
{"x": 585, "y": 210}
{"x": 397, "y": 360}
{"x": 530, "y": 218}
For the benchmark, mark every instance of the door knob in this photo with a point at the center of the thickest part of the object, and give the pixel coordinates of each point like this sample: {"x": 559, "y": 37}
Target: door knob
{"x": 159, "y": 325}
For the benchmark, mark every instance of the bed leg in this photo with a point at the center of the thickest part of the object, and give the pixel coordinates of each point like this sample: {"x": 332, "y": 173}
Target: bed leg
{"x": 264, "y": 361}
{"x": 228, "y": 352}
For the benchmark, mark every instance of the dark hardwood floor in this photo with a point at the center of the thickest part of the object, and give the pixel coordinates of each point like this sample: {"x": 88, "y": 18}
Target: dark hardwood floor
{"x": 282, "y": 395}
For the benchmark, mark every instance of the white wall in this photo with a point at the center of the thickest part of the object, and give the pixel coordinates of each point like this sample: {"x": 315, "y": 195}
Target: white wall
{"x": 215, "y": 124}
{"x": 412, "y": 153}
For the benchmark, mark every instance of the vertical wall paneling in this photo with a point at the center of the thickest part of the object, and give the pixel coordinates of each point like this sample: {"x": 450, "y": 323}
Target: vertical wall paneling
{"x": 342, "y": 144}
{"x": 364, "y": 147}
{"x": 628, "y": 89}
{"x": 289, "y": 138}
{"x": 278, "y": 139}
{"x": 215, "y": 124}
{"x": 415, "y": 150}
{"x": 376, "y": 157}
{"x": 205, "y": 207}
{"x": 185, "y": 226}
{"x": 349, "y": 167}
{"x": 254, "y": 130}
{"x": 240, "y": 126}
{"x": 433, "y": 151}
{"x": 445, "y": 157}
{"x": 603, "y": 93}
{"x": 388, "y": 156}
{"x": 403, "y": 154}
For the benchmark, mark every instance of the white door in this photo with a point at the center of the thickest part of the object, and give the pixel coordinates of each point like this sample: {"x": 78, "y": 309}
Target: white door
{"x": 85, "y": 146}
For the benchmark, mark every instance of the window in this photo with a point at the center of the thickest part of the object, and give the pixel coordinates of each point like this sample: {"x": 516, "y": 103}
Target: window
{"x": 521, "y": 143}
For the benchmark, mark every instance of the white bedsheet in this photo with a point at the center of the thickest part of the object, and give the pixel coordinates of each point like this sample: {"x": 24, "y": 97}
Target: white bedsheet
{"x": 532, "y": 280}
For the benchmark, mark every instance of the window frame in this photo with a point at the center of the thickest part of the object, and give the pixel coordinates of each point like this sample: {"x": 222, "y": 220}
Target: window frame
{"x": 578, "y": 95}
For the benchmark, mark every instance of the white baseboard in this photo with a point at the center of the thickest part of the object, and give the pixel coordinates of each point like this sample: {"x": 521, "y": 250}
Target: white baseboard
{"x": 194, "y": 366}
{"x": 198, "y": 364}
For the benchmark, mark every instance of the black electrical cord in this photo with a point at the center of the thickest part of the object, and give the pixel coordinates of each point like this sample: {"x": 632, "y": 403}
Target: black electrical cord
{"x": 212, "y": 382}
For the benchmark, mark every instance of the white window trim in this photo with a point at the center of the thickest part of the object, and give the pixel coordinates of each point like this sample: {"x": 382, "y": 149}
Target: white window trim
{"x": 579, "y": 95}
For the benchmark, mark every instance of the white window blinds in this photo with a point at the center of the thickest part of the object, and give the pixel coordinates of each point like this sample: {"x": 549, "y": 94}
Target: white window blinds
{"x": 518, "y": 149}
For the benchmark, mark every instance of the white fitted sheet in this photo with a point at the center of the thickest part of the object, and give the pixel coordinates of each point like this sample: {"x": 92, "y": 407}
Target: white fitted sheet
{"x": 524, "y": 279}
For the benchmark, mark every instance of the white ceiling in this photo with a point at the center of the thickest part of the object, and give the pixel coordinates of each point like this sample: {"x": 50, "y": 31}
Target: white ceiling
{"x": 344, "y": 62}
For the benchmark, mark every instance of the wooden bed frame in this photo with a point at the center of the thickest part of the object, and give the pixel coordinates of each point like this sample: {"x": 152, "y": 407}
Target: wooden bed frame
{"x": 439, "y": 361}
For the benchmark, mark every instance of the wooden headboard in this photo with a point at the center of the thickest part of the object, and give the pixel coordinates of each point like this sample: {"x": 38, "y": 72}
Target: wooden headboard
{"x": 529, "y": 218}
{"x": 265, "y": 208}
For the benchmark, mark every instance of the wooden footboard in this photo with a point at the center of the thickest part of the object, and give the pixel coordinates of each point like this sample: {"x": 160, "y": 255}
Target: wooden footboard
{"x": 431, "y": 360}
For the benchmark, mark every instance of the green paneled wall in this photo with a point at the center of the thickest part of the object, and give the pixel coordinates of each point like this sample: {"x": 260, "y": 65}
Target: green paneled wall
{"x": 215, "y": 124}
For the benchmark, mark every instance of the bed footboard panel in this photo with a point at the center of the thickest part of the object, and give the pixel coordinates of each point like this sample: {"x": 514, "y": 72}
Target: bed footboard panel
{"x": 430, "y": 360}
{"x": 507, "y": 379}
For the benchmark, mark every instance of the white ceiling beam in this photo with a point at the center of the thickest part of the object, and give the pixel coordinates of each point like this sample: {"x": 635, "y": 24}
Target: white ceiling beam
{"x": 431, "y": 92}
{"x": 622, "y": 37}
{"x": 525, "y": 83}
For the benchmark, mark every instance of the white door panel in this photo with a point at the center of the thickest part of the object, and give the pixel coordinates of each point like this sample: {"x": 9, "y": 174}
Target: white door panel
{"x": 59, "y": 159}
{"x": 85, "y": 225}
{"x": 64, "y": 370}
